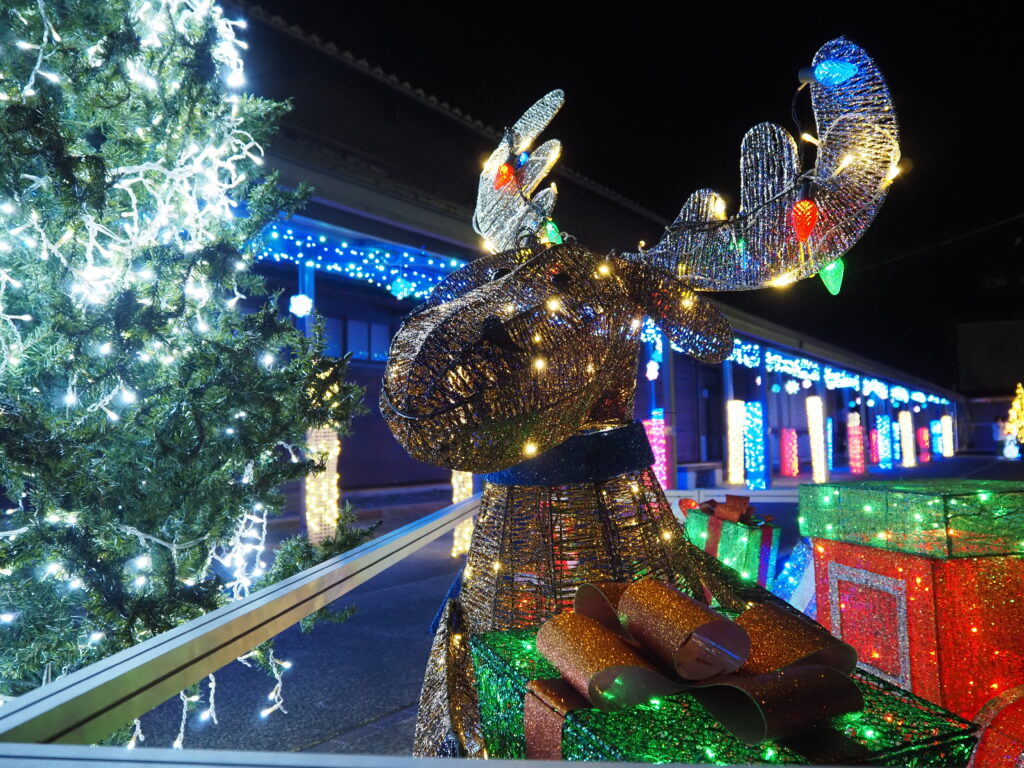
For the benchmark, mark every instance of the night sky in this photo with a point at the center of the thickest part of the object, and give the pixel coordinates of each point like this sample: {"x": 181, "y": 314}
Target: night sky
{"x": 658, "y": 98}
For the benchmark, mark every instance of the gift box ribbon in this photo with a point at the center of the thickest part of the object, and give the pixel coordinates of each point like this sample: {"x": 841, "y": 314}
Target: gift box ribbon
{"x": 767, "y": 675}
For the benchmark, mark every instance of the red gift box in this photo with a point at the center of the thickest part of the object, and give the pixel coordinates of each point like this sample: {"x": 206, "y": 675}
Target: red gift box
{"x": 949, "y": 630}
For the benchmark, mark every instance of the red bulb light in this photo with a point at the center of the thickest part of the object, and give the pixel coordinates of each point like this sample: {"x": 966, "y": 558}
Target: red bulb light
{"x": 504, "y": 176}
{"x": 804, "y": 216}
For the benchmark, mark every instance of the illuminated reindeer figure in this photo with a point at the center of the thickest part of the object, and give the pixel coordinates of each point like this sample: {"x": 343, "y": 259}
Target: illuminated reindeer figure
{"x": 522, "y": 365}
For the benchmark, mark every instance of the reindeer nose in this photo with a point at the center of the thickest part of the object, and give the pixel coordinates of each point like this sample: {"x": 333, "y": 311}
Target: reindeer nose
{"x": 494, "y": 331}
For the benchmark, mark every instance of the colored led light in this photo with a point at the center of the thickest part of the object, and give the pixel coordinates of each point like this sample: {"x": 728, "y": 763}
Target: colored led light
{"x": 552, "y": 234}
{"x": 521, "y": 159}
{"x": 832, "y": 72}
{"x": 832, "y": 276}
{"x": 804, "y": 216}
{"x": 504, "y": 175}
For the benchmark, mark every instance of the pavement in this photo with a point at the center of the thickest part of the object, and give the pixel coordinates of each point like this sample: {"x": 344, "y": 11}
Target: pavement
{"x": 353, "y": 687}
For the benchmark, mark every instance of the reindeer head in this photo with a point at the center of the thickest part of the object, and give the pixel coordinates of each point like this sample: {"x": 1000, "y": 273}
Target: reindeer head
{"x": 520, "y": 349}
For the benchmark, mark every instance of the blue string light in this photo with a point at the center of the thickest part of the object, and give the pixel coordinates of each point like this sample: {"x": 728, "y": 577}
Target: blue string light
{"x": 746, "y": 353}
{"x": 797, "y": 367}
{"x": 405, "y": 274}
{"x": 837, "y": 378}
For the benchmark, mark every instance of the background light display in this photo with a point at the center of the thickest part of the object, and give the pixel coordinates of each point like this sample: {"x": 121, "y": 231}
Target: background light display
{"x": 789, "y": 463}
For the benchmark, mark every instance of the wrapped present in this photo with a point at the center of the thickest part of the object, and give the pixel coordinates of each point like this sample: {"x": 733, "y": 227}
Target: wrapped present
{"x": 581, "y": 689}
{"x": 730, "y": 532}
{"x": 946, "y": 518}
{"x": 921, "y": 578}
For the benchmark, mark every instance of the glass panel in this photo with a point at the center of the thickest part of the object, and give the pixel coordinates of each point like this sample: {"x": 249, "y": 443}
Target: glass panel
{"x": 359, "y": 339}
{"x": 332, "y": 336}
{"x": 380, "y": 341}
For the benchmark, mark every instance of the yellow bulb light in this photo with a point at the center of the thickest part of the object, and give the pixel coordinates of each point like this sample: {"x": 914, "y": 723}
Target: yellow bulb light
{"x": 462, "y": 489}
{"x": 816, "y": 431}
{"x": 322, "y": 491}
{"x": 736, "y": 424}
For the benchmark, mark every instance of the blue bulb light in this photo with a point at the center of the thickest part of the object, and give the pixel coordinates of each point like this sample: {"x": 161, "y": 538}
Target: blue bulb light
{"x": 521, "y": 160}
{"x": 831, "y": 72}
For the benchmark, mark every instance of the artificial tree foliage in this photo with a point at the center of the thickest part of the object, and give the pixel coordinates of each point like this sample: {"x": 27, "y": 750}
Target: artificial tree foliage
{"x": 146, "y": 421}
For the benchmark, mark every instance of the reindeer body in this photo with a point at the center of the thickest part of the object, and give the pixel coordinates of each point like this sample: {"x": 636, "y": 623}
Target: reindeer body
{"x": 522, "y": 366}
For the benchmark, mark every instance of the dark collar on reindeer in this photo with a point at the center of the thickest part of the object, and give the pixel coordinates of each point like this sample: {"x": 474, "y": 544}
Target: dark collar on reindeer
{"x": 591, "y": 457}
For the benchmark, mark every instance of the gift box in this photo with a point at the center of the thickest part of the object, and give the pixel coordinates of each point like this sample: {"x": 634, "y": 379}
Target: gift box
{"x": 730, "y": 532}
{"x": 527, "y": 710}
{"x": 947, "y": 518}
{"x": 920, "y": 578}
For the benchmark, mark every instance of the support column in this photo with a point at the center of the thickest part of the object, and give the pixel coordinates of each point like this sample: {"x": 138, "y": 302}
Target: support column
{"x": 668, "y": 383}
{"x": 762, "y": 395}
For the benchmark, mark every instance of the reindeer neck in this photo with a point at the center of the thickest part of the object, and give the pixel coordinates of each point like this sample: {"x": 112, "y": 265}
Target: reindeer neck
{"x": 588, "y": 510}
{"x": 587, "y": 457}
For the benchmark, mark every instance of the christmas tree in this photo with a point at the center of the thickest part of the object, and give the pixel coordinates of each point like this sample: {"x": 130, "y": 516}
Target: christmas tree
{"x": 146, "y": 421}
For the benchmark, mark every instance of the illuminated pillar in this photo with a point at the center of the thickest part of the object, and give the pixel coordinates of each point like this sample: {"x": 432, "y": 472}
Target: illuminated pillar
{"x": 924, "y": 439}
{"x": 937, "y": 443}
{"x": 907, "y": 439}
{"x": 883, "y": 439}
{"x": 462, "y": 488}
{"x": 897, "y": 446}
{"x": 947, "y": 435}
{"x": 753, "y": 447}
{"x": 829, "y": 440}
{"x": 873, "y": 445}
{"x": 855, "y": 443}
{"x": 789, "y": 464}
{"x": 322, "y": 491}
{"x": 655, "y": 428}
{"x": 735, "y": 426}
{"x": 816, "y": 430}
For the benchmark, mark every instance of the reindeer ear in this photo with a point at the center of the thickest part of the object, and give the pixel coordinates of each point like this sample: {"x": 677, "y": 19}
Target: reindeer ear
{"x": 690, "y": 321}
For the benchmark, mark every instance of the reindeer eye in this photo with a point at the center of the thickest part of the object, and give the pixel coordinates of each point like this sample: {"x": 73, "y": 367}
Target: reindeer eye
{"x": 500, "y": 273}
{"x": 560, "y": 280}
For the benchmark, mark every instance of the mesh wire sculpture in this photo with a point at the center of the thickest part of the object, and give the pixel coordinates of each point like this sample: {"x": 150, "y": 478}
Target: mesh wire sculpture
{"x": 523, "y": 364}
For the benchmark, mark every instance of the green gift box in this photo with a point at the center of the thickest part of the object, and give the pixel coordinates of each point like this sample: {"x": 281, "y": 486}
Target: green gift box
{"x": 946, "y": 518}
{"x": 895, "y": 728}
{"x": 750, "y": 548}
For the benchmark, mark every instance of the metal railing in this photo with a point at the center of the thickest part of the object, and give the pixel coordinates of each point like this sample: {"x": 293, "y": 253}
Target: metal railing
{"x": 91, "y": 703}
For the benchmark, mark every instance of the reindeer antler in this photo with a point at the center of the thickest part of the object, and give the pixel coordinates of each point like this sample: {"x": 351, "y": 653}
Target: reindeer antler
{"x": 768, "y": 241}
{"x": 506, "y": 208}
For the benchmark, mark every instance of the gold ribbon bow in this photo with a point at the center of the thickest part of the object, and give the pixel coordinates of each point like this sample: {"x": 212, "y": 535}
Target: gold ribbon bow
{"x": 768, "y": 675}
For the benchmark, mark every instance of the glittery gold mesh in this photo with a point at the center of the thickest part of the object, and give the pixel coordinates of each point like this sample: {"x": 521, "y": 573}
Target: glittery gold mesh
{"x": 448, "y": 723}
{"x": 518, "y": 351}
